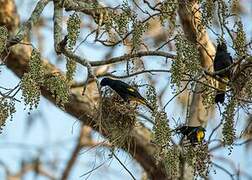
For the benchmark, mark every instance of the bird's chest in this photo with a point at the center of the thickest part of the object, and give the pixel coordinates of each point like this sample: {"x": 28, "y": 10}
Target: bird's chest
{"x": 221, "y": 61}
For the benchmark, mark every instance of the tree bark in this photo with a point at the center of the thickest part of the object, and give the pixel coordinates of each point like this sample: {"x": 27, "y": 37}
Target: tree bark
{"x": 81, "y": 107}
{"x": 190, "y": 20}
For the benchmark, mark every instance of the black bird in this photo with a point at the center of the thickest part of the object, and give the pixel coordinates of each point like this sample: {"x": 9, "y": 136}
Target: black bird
{"x": 222, "y": 60}
{"x": 127, "y": 92}
{"x": 195, "y": 134}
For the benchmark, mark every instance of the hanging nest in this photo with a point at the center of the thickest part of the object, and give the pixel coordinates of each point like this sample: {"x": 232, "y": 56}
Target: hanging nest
{"x": 118, "y": 119}
{"x": 242, "y": 82}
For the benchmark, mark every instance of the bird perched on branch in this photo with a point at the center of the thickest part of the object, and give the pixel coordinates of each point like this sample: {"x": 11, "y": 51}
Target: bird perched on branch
{"x": 222, "y": 61}
{"x": 127, "y": 92}
{"x": 195, "y": 134}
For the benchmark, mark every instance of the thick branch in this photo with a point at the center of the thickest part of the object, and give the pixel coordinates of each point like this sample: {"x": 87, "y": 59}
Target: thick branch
{"x": 190, "y": 19}
{"x": 57, "y": 26}
{"x": 84, "y": 137}
{"x": 82, "y": 107}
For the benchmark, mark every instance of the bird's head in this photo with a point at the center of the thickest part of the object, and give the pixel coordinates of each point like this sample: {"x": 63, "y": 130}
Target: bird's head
{"x": 105, "y": 81}
{"x": 221, "y": 46}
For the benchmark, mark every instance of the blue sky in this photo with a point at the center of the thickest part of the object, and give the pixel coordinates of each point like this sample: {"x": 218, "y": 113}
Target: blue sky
{"x": 58, "y": 131}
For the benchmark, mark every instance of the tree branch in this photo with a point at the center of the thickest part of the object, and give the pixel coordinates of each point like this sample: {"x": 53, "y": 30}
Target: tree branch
{"x": 27, "y": 26}
{"x": 84, "y": 139}
{"x": 130, "y": 56}
{"x": 190, "y": 20}
{"x": 83, "y": 107}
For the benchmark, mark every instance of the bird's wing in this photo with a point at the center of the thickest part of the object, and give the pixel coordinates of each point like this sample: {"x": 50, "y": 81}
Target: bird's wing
{"x": 132, "y": 92}
{"x": 131, "y": 89}
{"x": 127, "y": 92}
{"x": 230, "y": 58}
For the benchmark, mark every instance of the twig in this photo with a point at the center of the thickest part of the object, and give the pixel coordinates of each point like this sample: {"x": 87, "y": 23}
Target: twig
{"x": 93, "y": 169}
{"x": 32, "y": 167}
{"x": 84, "y": 40}
{"x": 123, "y": 165}
{"x": 150, "y": 6}
{"x": 129, "y": 56}
{"x": 215, "y": 129}
{"x": 74, "y": 156}
{"x": 177, "y": 94}
{"x": 145, "y": 12}
{"x": 224, "y": 170}
{"x": 110, "y": 74}
{"x": 134, "y": 74}
{"x": 86, "y": 63}
{"x": 167, "y": 42}
{"x": 128, "y": 34}
{"x": 83, "y": 140}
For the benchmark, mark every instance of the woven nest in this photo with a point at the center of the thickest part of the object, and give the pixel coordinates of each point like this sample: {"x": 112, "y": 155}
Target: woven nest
{"x": 241, "y": 83}
{"x": 118, "y": 118}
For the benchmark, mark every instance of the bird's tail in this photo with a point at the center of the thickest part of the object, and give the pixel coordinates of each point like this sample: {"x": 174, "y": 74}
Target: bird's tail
{"x": 220, "y": 95}
{"x": 144, "y": 102}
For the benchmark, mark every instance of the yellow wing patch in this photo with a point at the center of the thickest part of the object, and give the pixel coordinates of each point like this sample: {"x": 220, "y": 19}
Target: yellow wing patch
{"x": 131, "y": 89}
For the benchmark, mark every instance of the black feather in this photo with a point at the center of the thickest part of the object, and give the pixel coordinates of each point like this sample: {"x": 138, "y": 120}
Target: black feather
{"x": 220, "y": 97}
{"x": 222, "y": 60}
{"x": 126, "y": 91}
{"x": 190, "y": 132}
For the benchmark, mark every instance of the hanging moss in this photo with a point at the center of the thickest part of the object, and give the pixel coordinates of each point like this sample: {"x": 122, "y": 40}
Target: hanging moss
{"x": 208, "y": 95}
{"x": 36, "y": 70}
{"x": 3, "y": 38}
{"x": 121, "y": 21}
{"x": 228, "y": 130}
{"x": 73, "y": 29}
{"x": 240, "y": 40}
{"x": 161, "y": 130}
{"x": 168, "y": 11}
{"x": 30, "y": 91}
{"x": 7, "y": 109}
{"x": 31, "y": 81}
{"x": 138, "y": 29}
{"x": 171, "y": 161}
{"x": 58, "y": 86}
{"x": 208, "y": 8}
{"x": 186, "y": 62}
{"x": 151, "y": 96}
{"x": 198, "y": 158}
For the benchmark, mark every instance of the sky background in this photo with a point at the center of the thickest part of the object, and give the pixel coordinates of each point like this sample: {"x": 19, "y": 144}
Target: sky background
{"x": 57, "y": 131}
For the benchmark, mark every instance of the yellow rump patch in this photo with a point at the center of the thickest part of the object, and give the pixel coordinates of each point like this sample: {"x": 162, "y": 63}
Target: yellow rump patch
{"x": 200, "y": 136}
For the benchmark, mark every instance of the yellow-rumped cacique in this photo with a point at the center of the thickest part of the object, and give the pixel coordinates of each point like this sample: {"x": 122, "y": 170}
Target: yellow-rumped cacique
{"x": 222, "y": 60}
{"x": 127, "y": 92}
{"x": 195, "y": 134}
